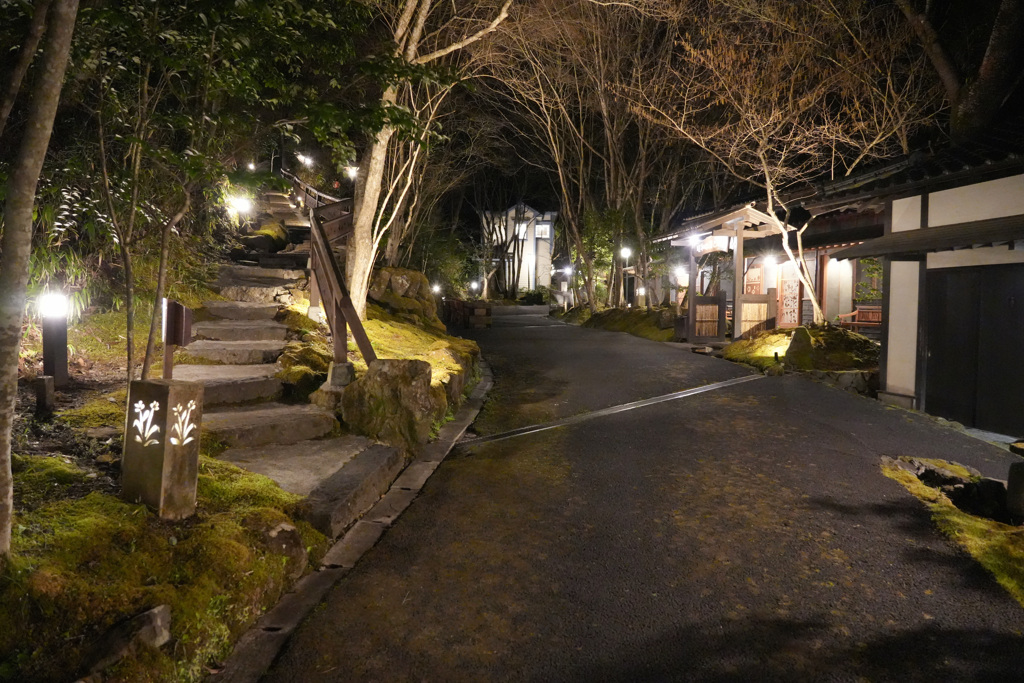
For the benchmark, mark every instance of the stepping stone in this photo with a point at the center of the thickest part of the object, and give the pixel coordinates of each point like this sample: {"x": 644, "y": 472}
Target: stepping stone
{"x": 236, "y": 352}
{"x": 240, "y": 330}
{"x": 241, "y": 310}
{"x": 225, "y": 384}
{"x": 270, "y": 194}
{"x": 268, "y": 423}
{"x": 299, "y": 467}
{"x": 297, "y": 222}
{"x": 285, "y": 259}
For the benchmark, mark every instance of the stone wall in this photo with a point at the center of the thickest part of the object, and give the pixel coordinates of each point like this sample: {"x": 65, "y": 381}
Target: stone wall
{"x": 405, "y": 294}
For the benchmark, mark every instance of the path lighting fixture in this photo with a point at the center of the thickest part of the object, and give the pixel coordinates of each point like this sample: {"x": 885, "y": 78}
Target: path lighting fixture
{"x": 626, "y": 253}
{"x": 436, "y": 289}
{"x": 568, "y": 271}
{"x": 239, "y": 204}
{"x": 53, "y": 309}
{"x": 304, "y": 160}
{"x": 252, "y": 166}
{"x": 473, "y": 285}
{"x": 352, "y": 172}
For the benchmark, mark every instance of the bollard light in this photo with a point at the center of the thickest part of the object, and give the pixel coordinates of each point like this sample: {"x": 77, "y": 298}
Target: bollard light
{"x": 304, "y": 160}
{"x": 53, "y": 309}
{"x": 252, "y": 166}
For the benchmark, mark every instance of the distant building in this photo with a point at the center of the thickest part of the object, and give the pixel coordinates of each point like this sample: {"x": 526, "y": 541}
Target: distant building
{"x": 523, "y": 238}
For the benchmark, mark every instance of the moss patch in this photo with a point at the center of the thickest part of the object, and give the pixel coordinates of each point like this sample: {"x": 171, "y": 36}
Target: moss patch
{"x": 998, "y": 547}
{"x": 81, "y": 566}
{"x": 640, "y": 323}
{"x": 574, "y": 316}
{"x": 833, "y": 349}
{"x": 274, "y": 231}
{"x": 107, "y": 410}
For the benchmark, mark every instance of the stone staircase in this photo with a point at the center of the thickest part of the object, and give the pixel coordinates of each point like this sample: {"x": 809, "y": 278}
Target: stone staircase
{"x": 296, "y": 444}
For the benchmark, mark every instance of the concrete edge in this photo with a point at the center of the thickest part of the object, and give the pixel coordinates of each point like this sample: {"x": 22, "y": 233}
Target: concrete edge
{"x": 257, "y": 649}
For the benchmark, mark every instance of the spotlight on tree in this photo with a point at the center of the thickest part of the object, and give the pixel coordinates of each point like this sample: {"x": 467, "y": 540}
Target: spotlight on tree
{"x": 53, "y": 309}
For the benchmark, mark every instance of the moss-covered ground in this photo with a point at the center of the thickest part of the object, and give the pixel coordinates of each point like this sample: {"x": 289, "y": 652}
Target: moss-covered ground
{"x": 834, "y": 349}
{"x": 638, "y": 322}
{"x": 84, "y": 560}
{"x": 998, "y": 547}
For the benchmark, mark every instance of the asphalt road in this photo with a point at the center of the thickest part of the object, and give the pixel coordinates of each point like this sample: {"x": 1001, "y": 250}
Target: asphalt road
{"x": 745, "y": 533}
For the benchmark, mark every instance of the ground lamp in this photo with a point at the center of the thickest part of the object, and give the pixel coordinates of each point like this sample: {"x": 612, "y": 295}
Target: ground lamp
{"x": 625, "y": 253}
{"x": 53, "y": 309}
{"x": 252, "y": 166}
{"x": 436, "y": 289}
{"x": 160, "y": 463}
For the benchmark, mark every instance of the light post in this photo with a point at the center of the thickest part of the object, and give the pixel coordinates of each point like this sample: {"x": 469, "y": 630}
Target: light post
{"x": 53, "y": 309}
{"x": 625, "y": 253}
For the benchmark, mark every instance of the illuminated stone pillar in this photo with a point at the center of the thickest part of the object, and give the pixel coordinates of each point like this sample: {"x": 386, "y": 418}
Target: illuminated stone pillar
{"x": 160, "y": 463}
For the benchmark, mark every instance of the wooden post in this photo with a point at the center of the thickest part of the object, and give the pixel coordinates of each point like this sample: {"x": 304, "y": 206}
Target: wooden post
{"x": 737, "y": 300}
{"x": 691, "y": 296}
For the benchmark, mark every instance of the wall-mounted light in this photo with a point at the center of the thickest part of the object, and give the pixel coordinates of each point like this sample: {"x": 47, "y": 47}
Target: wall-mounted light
{"x": 53, "y": 309}
{"x": 769, "y": 260}
{"x": 694, "y": 240}
{"x": 681, "y": 275}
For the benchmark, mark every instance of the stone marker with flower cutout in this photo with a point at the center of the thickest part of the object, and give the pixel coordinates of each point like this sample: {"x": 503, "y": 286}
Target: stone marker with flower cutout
{"x": 160, "y": 464}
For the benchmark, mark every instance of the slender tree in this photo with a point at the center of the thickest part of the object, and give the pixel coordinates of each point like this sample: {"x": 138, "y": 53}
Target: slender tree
{"x": 15, "y": 245}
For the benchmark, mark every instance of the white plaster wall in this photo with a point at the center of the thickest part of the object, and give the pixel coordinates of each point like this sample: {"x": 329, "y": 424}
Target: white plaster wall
{"x": 906, "y": 214}
{"x": 986, "y": 256}
{"x": 839, "y": 280}
{"x": 901, "y": 346}
{"x": 981, "y": 201}
{"x": 543, "y": 263}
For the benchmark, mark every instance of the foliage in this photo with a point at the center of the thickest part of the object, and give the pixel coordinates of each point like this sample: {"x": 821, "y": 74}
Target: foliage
{"x": 867, "y": 289}
{"x": 640, "y": 323}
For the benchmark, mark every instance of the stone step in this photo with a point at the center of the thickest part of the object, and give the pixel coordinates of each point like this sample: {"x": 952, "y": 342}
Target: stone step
{"x": 228, "y": 384}
{"x": 240, "y": 330}
{"x": 236, "y": 352}
{"x": 264, "y": 290}
{"x": 285, "y": 259}
{"x": 241, "y": 310}
{"x": 296, "y": 222}
{"x": 268, "y": 423}
{"x": 237, "y": 271}
{"x": 273, "y": 194}
{"x": 298, "y": 234}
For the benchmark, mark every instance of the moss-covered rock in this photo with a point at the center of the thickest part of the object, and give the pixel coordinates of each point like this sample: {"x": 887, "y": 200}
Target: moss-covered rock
{"x": 394, "y": 402}
{"x": 799, "y": 354}
{"x": 832, "y": 349}
{"x": 405, "y": 294}
{"x": 305, "y": 364}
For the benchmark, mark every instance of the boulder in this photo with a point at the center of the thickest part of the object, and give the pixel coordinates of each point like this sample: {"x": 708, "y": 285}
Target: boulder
{"x": 393, "y": 403}
{"x": 379, "y": 284}
{"x": 149, "y": 629}
{"x": 262, "y": 244}
{"x": 800, "y": 354}
{"x": 1015, "y": 491}
{"x": 284, "y": 539}
{"x": 666, "y": 319}
{"x": 401, "y": 281}
{"x": 1017, "y": 448}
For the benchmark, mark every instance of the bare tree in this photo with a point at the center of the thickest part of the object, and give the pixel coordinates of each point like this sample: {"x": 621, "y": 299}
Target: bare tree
{"x": 16, "y": 242}
{"x": 424, "y": 33}
{"x": 26, "y": 54}
{"x": 781, "y": 94}
{"x": 975, "y": 94}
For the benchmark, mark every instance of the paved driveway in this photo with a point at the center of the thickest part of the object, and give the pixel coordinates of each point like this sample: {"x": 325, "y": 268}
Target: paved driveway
{"x": 744, "y": 533}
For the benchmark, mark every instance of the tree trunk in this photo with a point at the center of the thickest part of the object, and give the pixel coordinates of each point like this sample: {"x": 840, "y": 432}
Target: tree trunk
{"x": 16, "y": 246}
{"x": 161, "y": 283}
{"x": 25, "y": 56}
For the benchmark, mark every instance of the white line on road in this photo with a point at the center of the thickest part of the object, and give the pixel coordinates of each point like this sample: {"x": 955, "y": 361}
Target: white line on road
{"x": 533, "y": 429}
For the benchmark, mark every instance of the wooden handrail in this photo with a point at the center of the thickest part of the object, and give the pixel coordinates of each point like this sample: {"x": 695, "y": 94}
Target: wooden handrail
{"x": 327, "y": 224}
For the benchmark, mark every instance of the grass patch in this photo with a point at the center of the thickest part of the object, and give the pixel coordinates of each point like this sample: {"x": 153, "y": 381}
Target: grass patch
{"x": 82, "y": 565}
{"x": 638, "y": 322}
{"x": 574, "y": 316}
{"x": 834, "y": 348}
{"x": 998, "y": 547}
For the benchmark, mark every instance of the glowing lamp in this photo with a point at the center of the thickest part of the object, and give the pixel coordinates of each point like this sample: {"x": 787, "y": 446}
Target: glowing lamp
{"x": 568, "y": 271}
{"x": 641, "y": 291}
{"x": 769, "y": 260}
{"x": 473, "y": 286}
{"x": 53, "y": 308}
{"x": 239, "y": 204}
{"x": 436, "y": 289}
{"x": 694, "y": 240}
{"x": 680, "y": 274}
{"x": 352, "y": 172}
{"x": 252, "y": 166}
{"x": 626, "y": 252}
{"x": 304, "y": 160}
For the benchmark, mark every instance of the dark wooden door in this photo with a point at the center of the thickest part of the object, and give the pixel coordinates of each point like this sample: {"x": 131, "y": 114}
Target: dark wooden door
{"x": 1000, "y": 406}
{"x": 975, "y": 370}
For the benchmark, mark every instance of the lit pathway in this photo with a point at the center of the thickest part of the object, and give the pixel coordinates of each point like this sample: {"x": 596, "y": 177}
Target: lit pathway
{"x": 743, "y": 533}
